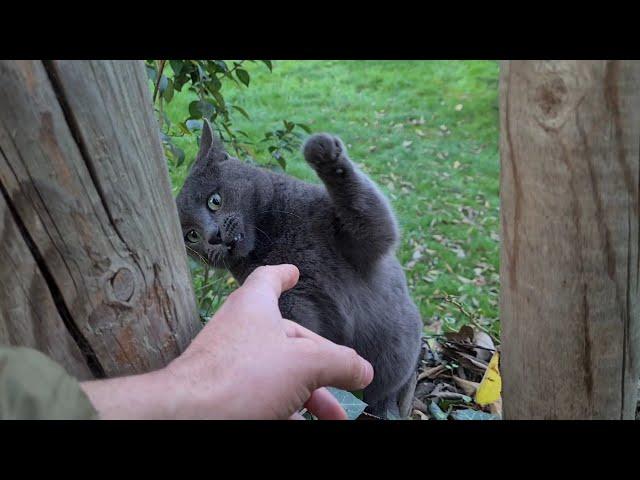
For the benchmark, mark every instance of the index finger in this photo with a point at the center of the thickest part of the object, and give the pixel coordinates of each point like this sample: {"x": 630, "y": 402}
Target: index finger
{"x": 272, "y": 279}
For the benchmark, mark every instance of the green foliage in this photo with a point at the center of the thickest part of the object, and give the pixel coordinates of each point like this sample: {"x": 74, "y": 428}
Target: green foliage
{"x": 206, "y": 79}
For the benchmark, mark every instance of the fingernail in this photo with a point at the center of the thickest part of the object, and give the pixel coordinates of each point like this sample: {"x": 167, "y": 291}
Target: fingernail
{"x": 366, "y": 373}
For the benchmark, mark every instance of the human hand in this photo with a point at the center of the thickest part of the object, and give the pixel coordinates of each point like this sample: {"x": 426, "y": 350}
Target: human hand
{"x": 246, "y": 363}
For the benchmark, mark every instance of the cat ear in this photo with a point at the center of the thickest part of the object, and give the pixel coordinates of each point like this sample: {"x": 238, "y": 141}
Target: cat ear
{"x": 211, "y": 148}
{"x": 206, "y": 139}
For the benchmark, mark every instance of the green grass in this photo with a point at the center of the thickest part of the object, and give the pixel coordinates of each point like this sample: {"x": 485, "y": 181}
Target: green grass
{"x": 426, "y": 132}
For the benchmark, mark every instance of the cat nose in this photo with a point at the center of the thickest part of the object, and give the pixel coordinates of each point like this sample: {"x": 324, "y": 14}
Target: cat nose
{"x": 215, "y": 238}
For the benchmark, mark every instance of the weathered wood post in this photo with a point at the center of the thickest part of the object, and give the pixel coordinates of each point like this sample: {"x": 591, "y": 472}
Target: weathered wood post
{"x": 570, "y": 298}
{"x": 93, "y": 270}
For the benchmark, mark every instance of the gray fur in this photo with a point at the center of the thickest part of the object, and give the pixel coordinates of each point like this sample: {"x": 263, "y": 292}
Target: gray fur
{"x": 342, "y": 237}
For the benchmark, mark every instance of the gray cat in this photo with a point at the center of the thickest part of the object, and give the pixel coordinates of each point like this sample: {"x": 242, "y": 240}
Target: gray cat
{"x": 342, "y": 238}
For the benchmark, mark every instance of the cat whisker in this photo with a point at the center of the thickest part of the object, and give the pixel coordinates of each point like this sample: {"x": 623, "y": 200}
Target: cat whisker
{"x": 204, "y": 260}
{"x": 265, "y": 234}
{"x": 282, "y": 211}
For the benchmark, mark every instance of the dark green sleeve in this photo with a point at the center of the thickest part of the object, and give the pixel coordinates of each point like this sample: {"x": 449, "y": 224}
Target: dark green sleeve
{"x": 34, "y": 387}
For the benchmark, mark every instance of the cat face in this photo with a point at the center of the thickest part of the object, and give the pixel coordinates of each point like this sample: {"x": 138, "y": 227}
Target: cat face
{"x": 217, "y": 205}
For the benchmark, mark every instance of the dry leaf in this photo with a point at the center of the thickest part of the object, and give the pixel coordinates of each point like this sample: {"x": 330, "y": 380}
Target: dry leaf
{"x": 496, "y": 407}
{"x": 468, "y": 387}
{"x": 481, "y": 339}
{"x": 491, "y": 384}
{"x": 432, "y": 373}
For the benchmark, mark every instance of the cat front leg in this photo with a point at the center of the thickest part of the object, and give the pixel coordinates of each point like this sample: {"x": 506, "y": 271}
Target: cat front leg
{"x": 366, "y": 228}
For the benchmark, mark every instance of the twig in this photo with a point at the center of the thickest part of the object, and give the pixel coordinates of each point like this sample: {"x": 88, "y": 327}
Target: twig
{"x": 473, "y": 318}
{"x": 161, "y": 64}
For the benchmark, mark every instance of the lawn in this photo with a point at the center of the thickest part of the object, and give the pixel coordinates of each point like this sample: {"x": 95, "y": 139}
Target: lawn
{"x": 426, "y": 132}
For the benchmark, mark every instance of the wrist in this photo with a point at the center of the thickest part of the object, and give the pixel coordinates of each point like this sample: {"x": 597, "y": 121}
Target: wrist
{"x": 136, "y": 397}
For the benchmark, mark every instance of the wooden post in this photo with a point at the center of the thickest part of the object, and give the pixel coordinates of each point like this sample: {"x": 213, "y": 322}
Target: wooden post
{"x": 93, "y": 269}
{"x": 570, "y": 174}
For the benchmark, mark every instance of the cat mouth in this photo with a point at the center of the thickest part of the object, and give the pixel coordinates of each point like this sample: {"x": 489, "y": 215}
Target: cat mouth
{"x": 219, "y": 252}
{"x": 235, "y": 243}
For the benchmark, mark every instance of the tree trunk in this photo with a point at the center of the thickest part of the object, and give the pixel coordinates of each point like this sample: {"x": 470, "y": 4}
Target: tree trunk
{"x": 93, "y": 270}
{"x": 570, "y": 309}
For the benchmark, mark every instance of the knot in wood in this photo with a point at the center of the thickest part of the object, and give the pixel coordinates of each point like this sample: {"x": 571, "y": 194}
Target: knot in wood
{"x": 550, "y": 97}
{"x": 123, "y": 285}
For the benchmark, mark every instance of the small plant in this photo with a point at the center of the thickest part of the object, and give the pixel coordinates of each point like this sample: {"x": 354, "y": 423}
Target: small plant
{"x": 207, "y": 79}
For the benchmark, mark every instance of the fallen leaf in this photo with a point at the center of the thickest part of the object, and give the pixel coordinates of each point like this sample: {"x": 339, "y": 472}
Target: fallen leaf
{"x": 464, "y": 335}
{"x": 407, "y": 143}
{"x": 467, "y": 386}
{"x": 450, "y": 396}
{"x": 470, "y": 414}
{"x": 436, "y": 412}
{"x": 496, "y": 407}
{"x": 352, "y": 405}
{"x": 420, "y": 405}
{"x": 487, "y": 347}
{"x": 432, "y": 373}
{"x": 491, "y": 384}
{"x": 420, "y": 414}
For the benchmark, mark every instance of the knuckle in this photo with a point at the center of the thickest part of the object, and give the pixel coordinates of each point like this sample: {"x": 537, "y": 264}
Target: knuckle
{"x": 309, "y": 347}
{"x": 352, "y": 360}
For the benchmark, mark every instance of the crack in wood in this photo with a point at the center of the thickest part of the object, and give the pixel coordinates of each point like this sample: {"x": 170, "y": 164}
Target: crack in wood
{"x": 83, "y": 344}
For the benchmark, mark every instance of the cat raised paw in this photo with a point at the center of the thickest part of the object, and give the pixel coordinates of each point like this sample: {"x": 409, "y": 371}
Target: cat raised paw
{"x": 324, "y": 152}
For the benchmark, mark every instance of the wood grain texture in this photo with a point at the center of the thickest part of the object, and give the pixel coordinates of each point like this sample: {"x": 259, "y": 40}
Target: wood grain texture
{"x": 570, "y": 175}
{"x": 83, "y": 169}
{"x": 28, "y": 314}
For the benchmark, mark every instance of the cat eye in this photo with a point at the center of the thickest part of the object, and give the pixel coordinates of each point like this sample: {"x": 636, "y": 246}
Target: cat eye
{"x": 192, "y": 236}
{"x": 214, "y": 202}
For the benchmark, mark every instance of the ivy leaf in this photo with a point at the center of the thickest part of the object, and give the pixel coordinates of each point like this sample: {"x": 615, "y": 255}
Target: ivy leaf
{"x": 470, "y": 414}
{"x": 436, "y": 412}
{"x": 243, "y": 76}
{"x": 352, "y": 405}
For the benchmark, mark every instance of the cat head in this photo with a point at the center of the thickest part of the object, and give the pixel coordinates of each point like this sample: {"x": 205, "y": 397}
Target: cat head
{"x": 219, "y": 203}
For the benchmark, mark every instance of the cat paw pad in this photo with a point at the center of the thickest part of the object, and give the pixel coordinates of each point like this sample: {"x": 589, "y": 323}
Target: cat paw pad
{"x": 323, "y": 150}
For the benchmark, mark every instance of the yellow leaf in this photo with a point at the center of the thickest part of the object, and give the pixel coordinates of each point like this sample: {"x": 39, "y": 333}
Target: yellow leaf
{"x": 231, "y": 281}
{"x": 491, "y": 384}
